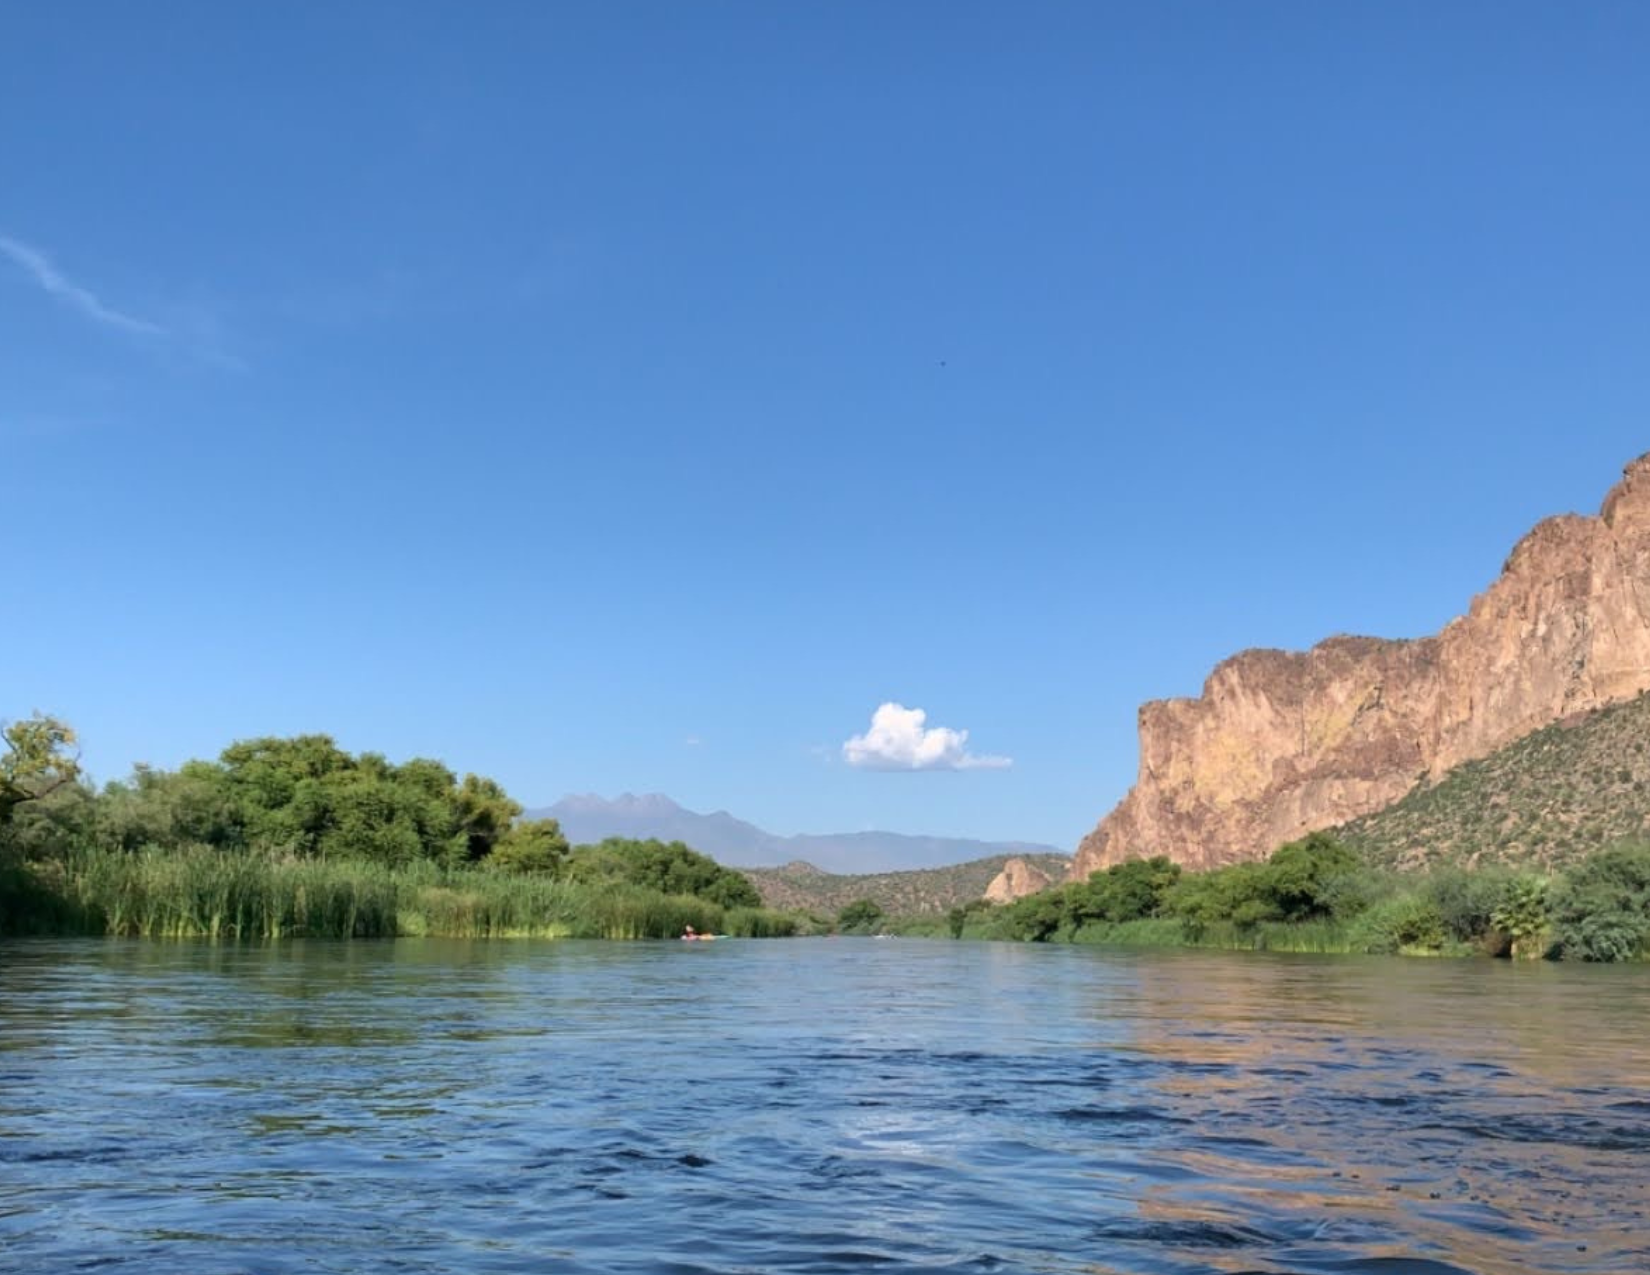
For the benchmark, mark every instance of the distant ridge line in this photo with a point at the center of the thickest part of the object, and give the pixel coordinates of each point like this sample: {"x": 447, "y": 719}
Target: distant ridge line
{"x": 587, "y": 817}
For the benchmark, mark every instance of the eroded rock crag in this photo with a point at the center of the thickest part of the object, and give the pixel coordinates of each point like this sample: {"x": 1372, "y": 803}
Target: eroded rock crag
{"x": 1282, "y": 743}
{"x": 1017, "y": 879}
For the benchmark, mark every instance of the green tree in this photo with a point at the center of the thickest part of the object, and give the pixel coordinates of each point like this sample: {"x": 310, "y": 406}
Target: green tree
{"x": 537, "y": 846}
{"x": 1125, "y": 891}
{"x": 1036, "y": 918}
{"x": 1241, "y": 894}
{"x": 152, "y": 808}
{"x": 1304, "y": 877}
{"x": 370, "y": 817}
{"x": 308, "y": 798}
{"x": 860, "y": 916}
{"x": 957, "y": 918}
{"x": 283, "y": 788}
{"x": 37, "y": 762}
{"x": 485, "y": 812}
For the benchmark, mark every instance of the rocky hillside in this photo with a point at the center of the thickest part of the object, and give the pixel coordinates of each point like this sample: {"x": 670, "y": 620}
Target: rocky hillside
{"x": 1547, "y": 799}
{"x": 1018, "y": 879}
{"x": 801, "y": 885}
{"x": 1282, "y": 743}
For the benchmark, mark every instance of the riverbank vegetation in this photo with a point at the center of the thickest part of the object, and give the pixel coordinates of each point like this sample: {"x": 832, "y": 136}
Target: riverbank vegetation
{"x": 287, "y": 837}
{"x": 295, "y": 836}
{"x": 1317, "y": 895}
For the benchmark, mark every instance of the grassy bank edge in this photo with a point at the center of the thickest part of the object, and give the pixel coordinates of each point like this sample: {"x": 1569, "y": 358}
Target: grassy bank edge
{"x": 209, "y": 894}
{"x": 1311, "y": 937}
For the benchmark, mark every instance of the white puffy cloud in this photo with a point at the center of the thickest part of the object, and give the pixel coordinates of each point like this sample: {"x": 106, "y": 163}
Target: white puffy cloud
{"x": 900, "y": 740}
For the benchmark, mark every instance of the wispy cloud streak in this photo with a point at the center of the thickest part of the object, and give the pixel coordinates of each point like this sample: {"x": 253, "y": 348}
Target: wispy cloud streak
{"x": 39, "y": 267}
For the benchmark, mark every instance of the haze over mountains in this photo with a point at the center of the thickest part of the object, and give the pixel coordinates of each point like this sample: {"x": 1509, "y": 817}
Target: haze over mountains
{"x": 589, "y": 818}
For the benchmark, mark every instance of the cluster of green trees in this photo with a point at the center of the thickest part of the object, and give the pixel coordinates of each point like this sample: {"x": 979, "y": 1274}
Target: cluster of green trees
{"x": 302, "y": 797}
{"x": 670, "y": 867}
{"x": 1319, "y": 889}
{"x": 67, "y": 850}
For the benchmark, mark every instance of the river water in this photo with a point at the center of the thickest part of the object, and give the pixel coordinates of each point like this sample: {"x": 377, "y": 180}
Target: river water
{"x": 814, "y": 1106}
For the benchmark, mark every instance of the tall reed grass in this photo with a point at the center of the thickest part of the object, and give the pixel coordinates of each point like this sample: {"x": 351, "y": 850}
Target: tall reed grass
{"x": 205, "y": 893}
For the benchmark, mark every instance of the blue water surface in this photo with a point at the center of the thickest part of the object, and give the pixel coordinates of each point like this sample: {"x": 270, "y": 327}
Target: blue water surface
{"x": 814, "y": 1106}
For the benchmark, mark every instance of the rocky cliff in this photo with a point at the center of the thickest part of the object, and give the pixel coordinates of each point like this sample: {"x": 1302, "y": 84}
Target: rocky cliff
{"x": 1282, "y": 743}
{"x": 1017, "y": 879}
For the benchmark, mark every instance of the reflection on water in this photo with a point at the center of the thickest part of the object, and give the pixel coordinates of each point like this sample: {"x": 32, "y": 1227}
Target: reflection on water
{"x": 814, "y": 1106}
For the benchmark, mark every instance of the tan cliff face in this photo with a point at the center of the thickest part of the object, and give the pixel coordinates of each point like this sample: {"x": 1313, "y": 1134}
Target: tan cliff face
{"x": 1017, "y": 879}
{"x": 1282, "y": 743}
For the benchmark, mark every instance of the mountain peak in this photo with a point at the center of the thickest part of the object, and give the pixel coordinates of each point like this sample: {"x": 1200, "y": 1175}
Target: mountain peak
{"x": 587, "y": 818}
{"x": 647, "y": 803}
{"x": 626, "y": 803}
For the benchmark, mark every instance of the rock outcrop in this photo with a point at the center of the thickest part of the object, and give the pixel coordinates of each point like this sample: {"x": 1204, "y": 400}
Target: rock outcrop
{"x": 1282, "y": 743}
{"x": 1017, "y": 879}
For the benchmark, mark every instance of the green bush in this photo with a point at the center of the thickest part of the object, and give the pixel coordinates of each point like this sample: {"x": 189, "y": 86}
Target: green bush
{"x": 1127, "y": 891}
{"x": 959, "y": 918}
{"x": 1466, "y": 902}
{"x": 1601, "y": 909}
{"x": 536, "y": 846}
{"x": 1037, "y": 917}
{"x": 1239, "y": 895}
{"x": 1404, "y": 921}
{"x": 1609, "y": 936}
{"x": 1521, "y": 915}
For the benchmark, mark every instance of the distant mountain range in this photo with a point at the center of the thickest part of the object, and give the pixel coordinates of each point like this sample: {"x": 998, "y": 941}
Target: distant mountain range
{"x": 589, "y": 818}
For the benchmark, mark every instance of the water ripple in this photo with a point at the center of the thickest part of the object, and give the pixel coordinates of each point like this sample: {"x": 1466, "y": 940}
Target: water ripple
{"x": 814, "y": 1106}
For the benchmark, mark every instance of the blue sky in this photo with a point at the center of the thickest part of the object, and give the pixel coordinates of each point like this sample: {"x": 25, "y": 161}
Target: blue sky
{"x": 636, "y": 396}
